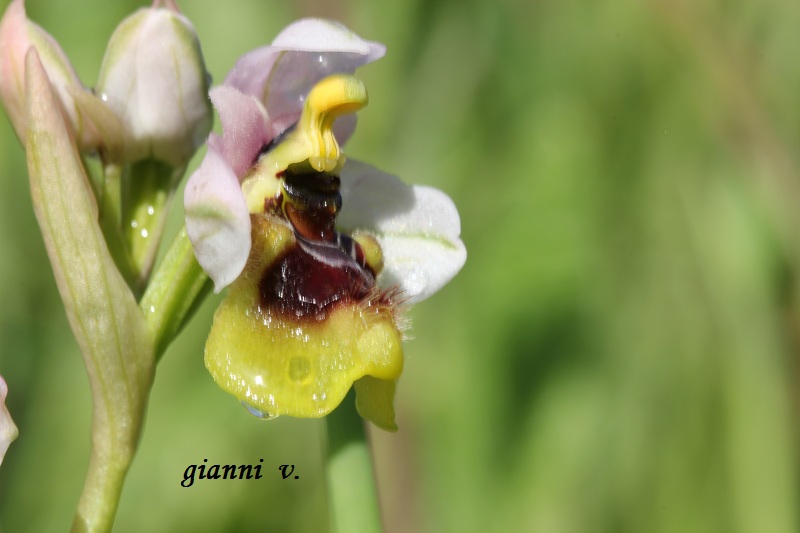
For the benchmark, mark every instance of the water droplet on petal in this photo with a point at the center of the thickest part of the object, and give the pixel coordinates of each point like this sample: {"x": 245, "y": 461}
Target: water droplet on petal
{"x": 298, "y": 369}
{"x": 259, "y": 414}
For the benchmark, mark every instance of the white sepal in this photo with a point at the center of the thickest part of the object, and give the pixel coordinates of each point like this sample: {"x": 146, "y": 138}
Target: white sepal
{"x": 417, "y": 227}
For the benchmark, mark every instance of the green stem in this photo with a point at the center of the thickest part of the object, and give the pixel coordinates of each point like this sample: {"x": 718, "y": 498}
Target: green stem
{"x": 103, "y": 486}
{"x": 351, "y": 480}
{"x": 111, "y": 199}
{"x": 111, "y": 225}
{"x": 174, "y": 292}
{"x": 148, "y": 188}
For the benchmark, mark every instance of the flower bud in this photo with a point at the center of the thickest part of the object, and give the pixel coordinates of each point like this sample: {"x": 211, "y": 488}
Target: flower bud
{"x": 154, "y": 79}
{"x": 8, "y": 431}
{"x": 83, "y": 112}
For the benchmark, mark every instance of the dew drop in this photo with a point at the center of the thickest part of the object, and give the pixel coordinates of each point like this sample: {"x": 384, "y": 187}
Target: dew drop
{"x": 151, "y": 210}
{"x": 298, "y": 369}
{"x": 259, "y": 414}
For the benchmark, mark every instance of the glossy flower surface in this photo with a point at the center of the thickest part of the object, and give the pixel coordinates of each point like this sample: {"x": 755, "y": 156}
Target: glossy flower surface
{"x": 322, "y": 252}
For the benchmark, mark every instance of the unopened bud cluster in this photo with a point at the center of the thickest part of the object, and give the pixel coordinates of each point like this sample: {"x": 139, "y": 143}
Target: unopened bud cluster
{"x": 151, "y": 98}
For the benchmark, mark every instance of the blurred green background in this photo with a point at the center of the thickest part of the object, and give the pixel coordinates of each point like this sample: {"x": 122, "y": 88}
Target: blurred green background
{"x": 620, "y": 352}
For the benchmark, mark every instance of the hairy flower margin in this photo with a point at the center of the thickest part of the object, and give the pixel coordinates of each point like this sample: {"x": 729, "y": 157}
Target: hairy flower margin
{"x": 278, "y": 364}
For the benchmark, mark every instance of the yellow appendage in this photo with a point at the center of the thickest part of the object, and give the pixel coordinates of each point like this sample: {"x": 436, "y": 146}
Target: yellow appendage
{"x": 312, "y": 141}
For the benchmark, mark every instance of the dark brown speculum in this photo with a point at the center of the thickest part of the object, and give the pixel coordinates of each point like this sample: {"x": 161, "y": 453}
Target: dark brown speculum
{"x": 310, "y": 280}
{"x": 322, "y": 269}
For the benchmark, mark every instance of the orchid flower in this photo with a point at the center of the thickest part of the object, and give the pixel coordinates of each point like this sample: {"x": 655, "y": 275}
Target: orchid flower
{"x": 322, "y": 254}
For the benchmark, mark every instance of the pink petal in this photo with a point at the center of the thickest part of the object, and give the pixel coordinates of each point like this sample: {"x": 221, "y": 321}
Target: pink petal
{"x": 217, "y": 219}
{"x": 215, "y": 141}
{"x": 244, "y": 126}
{"x": 280, "y": 75}
{"x": 320, "y": 35}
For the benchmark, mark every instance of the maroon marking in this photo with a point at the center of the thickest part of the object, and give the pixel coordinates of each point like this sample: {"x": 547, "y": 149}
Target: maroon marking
{"x": 303, "y": 285}
{"x": 272, "y": 205}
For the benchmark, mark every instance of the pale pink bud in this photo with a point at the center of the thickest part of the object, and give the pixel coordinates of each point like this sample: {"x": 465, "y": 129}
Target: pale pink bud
{"x": 154, "y": 79}
{"x": 84, "y": 113}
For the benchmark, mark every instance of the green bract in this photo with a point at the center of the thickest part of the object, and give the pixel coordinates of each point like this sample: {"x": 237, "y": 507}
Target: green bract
{"x": 101, "y": 309}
